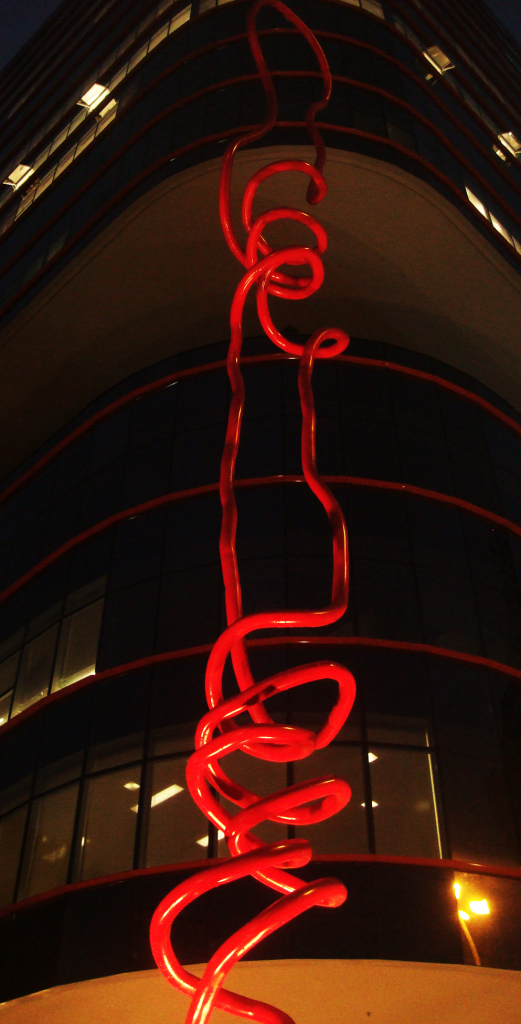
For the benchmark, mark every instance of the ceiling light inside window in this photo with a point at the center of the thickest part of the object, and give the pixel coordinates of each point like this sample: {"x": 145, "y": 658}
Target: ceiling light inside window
{"x": 204, "y": 840}
{"x": 438, "y": 59}
{"x": 511, "y": 142}
{"x": 93, "y": 97}
{"x": 106, "y": 110}
{"x": 19, "y": 176}
{"x": 477, "y": 203}
{"x": 165, "y": 794}
{"x": 499, "y": 153}
{"x": 372, "y": 757}
{"x": 131, "y": 785}
{"x": 500, "y": 227}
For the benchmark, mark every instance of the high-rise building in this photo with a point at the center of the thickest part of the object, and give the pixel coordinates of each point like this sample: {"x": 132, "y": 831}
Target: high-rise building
{"x": 115, "y": 292}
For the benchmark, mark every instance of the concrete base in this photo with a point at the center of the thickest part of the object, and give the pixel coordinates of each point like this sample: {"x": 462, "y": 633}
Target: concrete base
{"x": 312, "y": 991}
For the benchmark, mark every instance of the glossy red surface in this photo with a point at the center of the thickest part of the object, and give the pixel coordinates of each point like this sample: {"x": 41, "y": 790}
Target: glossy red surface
{"x": 220, "y": 732}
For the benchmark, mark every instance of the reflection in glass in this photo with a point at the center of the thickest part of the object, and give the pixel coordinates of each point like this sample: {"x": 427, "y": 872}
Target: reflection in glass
{"x": 405, "y": 809}
{"x": 11, "y": 836}
{"x": 109, "y": 820}
{"x": 345, "y": 832}
{"x": 78, "y": 646}
{"x": 175, "y": 823}
{"x": 5, "y": 704}
{"x": 35, "y": 670}
{"x": 46, "y": 859}
{"x": 489, "y": 909}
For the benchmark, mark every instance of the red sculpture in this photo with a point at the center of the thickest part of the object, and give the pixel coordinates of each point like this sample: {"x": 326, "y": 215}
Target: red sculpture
{"x": 218, "y": 733}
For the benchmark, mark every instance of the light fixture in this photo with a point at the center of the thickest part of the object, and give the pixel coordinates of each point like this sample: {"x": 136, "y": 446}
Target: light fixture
{"x": 499, "y": 153}
{"x": 464, "y": 916}
{"x": 500, "y": 227}
{"x": 19, "y": 176}
{"x": 372, "y": 757}
{"x": 165, "y": 794}
{"x": 373, "y": 804}
{"x": 479, "y": 907}
{"x": 457, "y": 890}
{"x": 157, "y": 798}
{"x": 204, "y": 840}
{"x": 106, "y": 110}
{"x": 511, "y": 142}
{"x": 131, "y": 785}
{"x": 93, "y": 97}
{"x": 476, "y": 202}
{"x": 438, "y": 59}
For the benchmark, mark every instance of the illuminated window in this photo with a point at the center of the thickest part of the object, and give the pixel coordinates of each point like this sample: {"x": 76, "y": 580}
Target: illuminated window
{"x": 373, "y": 7}
{"x": 19, "y": 176}
{"x": 5, "y": 706}
{"x": 499, "y": 227}
{"x": 477, "y": 203}
{"x": 438, "y": 59}
{"x": 175, "y": 823}
{"x": 93, "y": 97}
{"x": 46, "y": 859}
{"x": 405, "y": 805}
{"x": 108, "y": 825}
{"x": 111, "y": 106}
{"x": 78, "y": 646}
{"x": 511, "y": 143}
{"x": 35, "y": 670}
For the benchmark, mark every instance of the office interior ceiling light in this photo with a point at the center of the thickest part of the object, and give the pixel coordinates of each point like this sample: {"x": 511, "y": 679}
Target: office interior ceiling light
{"x": 19, "y": 176}
{"x": 93, "y": 97}
{"x": 106, "y": 110}
{"x": 511, "y": 142}
{"x": 438, "y": 59}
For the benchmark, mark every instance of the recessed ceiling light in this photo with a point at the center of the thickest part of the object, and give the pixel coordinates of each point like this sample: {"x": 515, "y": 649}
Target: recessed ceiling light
{"x": 19, "y": 176}
{"x": 93, "y": 97}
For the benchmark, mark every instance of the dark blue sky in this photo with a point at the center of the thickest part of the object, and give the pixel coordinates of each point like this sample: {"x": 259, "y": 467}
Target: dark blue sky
{"x": 20, "y": 18}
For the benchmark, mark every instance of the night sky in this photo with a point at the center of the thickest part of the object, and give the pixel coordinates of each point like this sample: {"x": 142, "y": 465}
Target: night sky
{"x": 20, "y": 18}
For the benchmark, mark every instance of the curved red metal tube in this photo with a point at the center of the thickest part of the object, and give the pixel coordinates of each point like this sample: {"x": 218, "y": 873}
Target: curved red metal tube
{"x": 219, "y": 733}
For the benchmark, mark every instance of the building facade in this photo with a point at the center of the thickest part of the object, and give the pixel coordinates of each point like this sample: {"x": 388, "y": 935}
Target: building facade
{"x": 114, "y": 303}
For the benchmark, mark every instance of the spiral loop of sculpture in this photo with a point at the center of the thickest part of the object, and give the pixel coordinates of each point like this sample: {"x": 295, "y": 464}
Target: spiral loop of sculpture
{"x": 219, "y": 733}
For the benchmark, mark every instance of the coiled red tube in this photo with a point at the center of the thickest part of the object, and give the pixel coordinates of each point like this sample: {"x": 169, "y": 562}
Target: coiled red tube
{"x": 218, "y": 733}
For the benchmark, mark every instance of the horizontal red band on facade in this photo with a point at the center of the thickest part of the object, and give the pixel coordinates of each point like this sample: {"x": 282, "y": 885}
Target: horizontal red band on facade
{"x": 268, "y": 481}
{"x": 167, "y": 657}
{"x": 216, "y": 86}
{"x": 419, "y": 82}
{"x": 221, "y": 136}
{"x": 172, "y": 378}
{"x": 200, "y": 865}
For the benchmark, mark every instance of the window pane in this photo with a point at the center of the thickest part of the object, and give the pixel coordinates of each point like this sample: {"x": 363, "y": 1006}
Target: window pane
{"x": 5, "y": 704}
{"x": 8, "y": 672}
{"x": 35, "y": 670}
{"x": 398, "y": 729}
{"x": 78, "y": 646}
{"x": 48, "y": 847}
{"x": 11, "y": 835}
{"x": 345, "y": 832}
{"x": 404, "y": 803}
{"x": 175, "y": 823}
{"x": 109, "y": 824}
